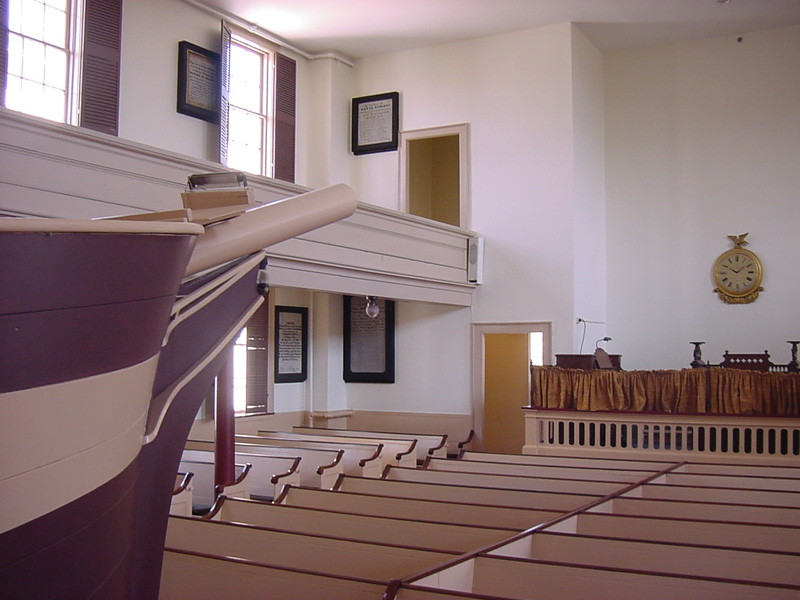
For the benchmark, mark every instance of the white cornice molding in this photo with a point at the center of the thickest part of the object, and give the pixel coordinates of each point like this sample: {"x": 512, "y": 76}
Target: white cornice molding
{"x": 267, "y": 35}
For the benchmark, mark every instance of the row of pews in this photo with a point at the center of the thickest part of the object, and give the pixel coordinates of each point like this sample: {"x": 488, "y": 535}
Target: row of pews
{"x": 492, "y": 526}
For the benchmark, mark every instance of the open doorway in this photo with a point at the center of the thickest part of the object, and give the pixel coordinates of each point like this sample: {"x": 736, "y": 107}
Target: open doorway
{"x": 502, "y": 354}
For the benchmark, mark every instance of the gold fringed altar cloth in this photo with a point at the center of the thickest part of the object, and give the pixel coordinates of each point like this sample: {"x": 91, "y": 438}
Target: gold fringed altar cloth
{"x": 702, "y": 391}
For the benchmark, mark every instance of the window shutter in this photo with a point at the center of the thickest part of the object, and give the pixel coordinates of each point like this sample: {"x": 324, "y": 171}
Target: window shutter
{"x": 101, "y": 64}
{"x": 224, "y": 91}
{"x": 285, "y": 104}
{"x": 257, "y": 359}
{"x": 3, "y": 49}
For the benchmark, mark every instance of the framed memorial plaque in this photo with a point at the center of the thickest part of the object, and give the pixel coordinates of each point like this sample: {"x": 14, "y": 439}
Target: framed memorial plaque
{"x": 368, "y": 341}
{"x": 375, "y": 121}
{"x": 291, "y": 344}
{"x": 198, "y": 82}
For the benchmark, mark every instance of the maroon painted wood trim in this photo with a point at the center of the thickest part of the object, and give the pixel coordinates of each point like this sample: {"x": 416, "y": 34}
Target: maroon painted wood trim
{"x": 462, "y": 445}
{"x": 322, "y": 468}
{"x": 411, "y": 450}
{"x": 440, "y": 446}
{"x": 219, "y": 488}
{"x": 376, "y": 455}
{"x": 80, "y": 550}
{"x": 215, "y": 507}
{"x": 282, "y": 496}
{"x": 293, "y": 469}
{"x": 187, "y": 478}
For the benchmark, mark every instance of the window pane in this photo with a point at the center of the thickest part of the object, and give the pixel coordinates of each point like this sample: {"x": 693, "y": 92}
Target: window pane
{"x": 55, "y": 27}
{"x": 14, "y": 55}
{"x": 33, "y": 56}
{"x": 53, "y": 104}
{"x": 240, "y": 373}
{"x": 55, "y": 68}
{"x": 245, "y": 143}
{"x": 246, "y": 69}
{"x": 32, "y": 24}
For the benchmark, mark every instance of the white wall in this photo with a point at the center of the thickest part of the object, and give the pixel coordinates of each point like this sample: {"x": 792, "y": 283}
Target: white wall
{"x": 151, "y": 30}
{"x": 515, "y": 91}
{"x": 432, "y": 354}
{"x": 703, "y": 140}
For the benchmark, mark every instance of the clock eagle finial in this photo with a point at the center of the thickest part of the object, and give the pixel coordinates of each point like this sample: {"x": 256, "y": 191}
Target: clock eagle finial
{"x": 738, "y": 240}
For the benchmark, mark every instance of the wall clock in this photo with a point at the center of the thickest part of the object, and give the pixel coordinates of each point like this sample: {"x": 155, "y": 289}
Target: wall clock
{"x": 738, "y": 273}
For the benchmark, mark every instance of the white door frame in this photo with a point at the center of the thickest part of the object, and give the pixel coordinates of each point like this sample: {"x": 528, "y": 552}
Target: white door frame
{"x": 479, "y": 330}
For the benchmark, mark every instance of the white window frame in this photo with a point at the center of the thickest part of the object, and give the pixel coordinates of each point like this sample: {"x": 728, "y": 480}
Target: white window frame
{"x": 267, "y": 111}
{"x": 464, "y": 192}
{"x": 74, "y": 44}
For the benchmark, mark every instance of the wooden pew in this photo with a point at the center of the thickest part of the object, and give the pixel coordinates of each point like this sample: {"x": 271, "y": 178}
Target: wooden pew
{"x": 318, "y": 467}
{"x": 204, "y": 490}
{"x": 621, "y": 476}
{"x": 563, "y": 502}
{"x": 519, "y": 578}
{"x": 665, "y": 491}
{"x": 764, "y": 471}
{"x": 393, "y": 451}
{"x": 736, "y": 481}
{"x": 567, "y": 461}
{"x": 509, "y": 482}
{"x": 776, "y": 515}
{"x": 362, "y": 460}
{"x": 771, "y": 537}
{"x": 327, "y": 555}
{"x": 187, "y": 574}
{"x": 457, "y": 513}
{"x": 426, "y": 444}
{"x": 662, "y": 557}
{"x": 182, "y": 495}
{"x": 365, "y": 528}
{"x": 268, "y": 474}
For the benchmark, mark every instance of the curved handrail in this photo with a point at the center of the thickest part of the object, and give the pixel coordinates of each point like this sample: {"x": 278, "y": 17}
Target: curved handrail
{"x": 187, "y": 478}
{"x": 293, "y": 469}
{"x": 440, "y": 446}
{"x": 411, "y": 449}
{"x": 215, "y": 507}
{"x": 471, "y": 435}
{"x": 219, "y": 488}
{"x": 378, "y": 450}
{"x": 322, "y": 468}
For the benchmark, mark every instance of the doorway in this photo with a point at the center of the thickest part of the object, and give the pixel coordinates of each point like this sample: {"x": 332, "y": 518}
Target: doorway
{"x": 502, "y": 354}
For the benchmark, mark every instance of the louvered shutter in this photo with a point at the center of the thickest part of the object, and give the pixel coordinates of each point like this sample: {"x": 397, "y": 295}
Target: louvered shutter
{"x": 224, "y": 91}
{"x": 3, "y": 48}
{"x": 285, "y": 108}
{"x": 257, "y": 358}
{"x": 101, "y": 64}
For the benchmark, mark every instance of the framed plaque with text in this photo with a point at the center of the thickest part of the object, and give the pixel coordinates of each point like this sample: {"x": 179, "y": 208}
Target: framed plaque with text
{"x": 368, "y": 341}
{"x": 291, "y": 344}
{"x": 198, "y": 82}
{"x": 375, "y": 121}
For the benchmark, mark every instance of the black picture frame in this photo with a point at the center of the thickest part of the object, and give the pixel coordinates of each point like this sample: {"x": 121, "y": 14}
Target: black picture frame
{"x": 291, "y": 344}
{"x": 368, "y": 342}
{"x": 198, "y": 82}
{"x": 374, "y": 122}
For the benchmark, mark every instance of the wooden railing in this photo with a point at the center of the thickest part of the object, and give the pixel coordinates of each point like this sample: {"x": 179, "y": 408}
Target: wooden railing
{"x": 716, "y": 438}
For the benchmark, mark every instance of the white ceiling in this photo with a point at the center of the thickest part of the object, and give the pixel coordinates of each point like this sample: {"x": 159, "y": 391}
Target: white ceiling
{"x": 359, "y": 28}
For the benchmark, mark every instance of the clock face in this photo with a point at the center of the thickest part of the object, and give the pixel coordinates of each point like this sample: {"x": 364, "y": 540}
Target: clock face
{"x": 737, "y": 272}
